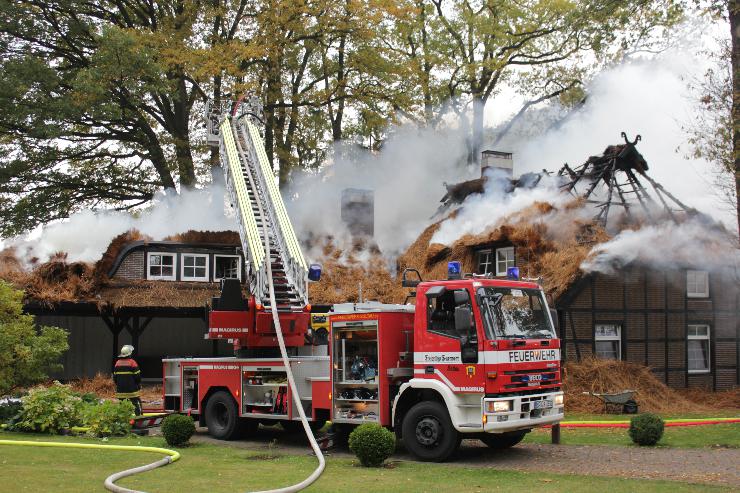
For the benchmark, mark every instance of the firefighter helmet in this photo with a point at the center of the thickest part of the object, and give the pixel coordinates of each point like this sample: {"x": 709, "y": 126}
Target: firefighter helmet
{"x": 126, "y": 351}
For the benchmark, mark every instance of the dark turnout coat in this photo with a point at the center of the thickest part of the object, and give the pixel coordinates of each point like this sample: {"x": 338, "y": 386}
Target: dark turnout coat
{"x": 127, "y": 377}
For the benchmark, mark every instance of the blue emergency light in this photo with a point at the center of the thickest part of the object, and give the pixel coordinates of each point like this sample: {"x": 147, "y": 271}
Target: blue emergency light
{"x": 512, "y": 273}
{"x": 454, "y": 270}
{"x": 314, "y": 272}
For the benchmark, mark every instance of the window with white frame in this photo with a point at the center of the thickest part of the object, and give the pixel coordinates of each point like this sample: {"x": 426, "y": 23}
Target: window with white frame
{"x": 504, "y": 260}
{"x": 161, "y": 266}
{"x": 697, "y": 284}
{"x": 226, "y": 267}
{"x": 698, "y": 350}
{"x": 194, "y": 267}
{"x": 608, "y": 341}
{"x": 485, "y": 262}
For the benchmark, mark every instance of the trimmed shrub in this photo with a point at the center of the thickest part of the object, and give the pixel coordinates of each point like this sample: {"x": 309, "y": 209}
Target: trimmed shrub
{"x": 51, "y": 409}
{"x": 646, "y": 429}
{"x": 109, "y": 418}
{"x": 177, "y": 429}
{"x": 372, "y": 444}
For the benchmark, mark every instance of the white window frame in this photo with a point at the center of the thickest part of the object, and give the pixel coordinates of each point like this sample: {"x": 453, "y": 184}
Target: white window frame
{"x": 183, "y": 256}
{"x": 151, "y": 277}
{"x": 490, "y": 263}
{"x": 609, "y": 338}
{"x": 699, "y": 337}
{"x": 505, "y": 250}
{"x": 694, "y": 284}
{"x": 238, "y": 265}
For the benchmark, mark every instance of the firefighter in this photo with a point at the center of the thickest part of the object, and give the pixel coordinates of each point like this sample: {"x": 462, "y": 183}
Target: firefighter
{"x": 127, "y": 377}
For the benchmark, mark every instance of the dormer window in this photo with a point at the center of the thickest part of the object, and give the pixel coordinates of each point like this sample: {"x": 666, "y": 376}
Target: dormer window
{"x": 226, "y": 267}
{"x": 161, "y": 266}
{"x": 195, "y": 267}
{"x": 485, "y": 262}
{"x": 504, "y": 260}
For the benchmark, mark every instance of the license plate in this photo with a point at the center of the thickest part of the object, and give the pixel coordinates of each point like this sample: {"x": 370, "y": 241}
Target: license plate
{"x": 542, "y": 404}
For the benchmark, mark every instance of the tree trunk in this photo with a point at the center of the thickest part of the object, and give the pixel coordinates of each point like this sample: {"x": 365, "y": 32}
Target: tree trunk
{"x": 733, "y": 8}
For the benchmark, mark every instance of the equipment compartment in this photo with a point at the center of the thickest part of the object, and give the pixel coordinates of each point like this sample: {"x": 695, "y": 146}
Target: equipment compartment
{"x": 355, "y": 373}
{"x": 265, "y": 393}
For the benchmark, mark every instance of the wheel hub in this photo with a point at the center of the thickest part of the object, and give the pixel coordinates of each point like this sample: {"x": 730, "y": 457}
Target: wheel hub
{"x": 428, "y": 431}
{"x": 221, "y": 415}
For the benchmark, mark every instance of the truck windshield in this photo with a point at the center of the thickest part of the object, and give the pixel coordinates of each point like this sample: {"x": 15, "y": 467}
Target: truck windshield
{"x": 510, "y": 313}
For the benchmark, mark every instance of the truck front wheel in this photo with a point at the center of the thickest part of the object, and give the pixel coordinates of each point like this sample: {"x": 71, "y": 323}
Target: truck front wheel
{"x": 428, "y": 432}
{"x": 500, "y": 441}
{"x": 222, "y": 417}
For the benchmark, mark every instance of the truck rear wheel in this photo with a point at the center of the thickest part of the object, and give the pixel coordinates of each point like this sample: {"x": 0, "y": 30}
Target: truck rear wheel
{"x": 428, "y": 432}
{"x": 500, "y": 441}
{"x": 222, "y": 417}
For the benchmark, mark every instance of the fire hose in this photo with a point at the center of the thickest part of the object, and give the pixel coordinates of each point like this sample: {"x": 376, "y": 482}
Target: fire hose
{"x": 171, "y": 456}
{"x": 291, "y": 381}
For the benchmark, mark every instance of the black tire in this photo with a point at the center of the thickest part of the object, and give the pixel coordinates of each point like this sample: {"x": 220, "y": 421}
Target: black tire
{"x": 501, "y": 441}
{"x": 428, "y": 432}
{"x": 222, "y": 417}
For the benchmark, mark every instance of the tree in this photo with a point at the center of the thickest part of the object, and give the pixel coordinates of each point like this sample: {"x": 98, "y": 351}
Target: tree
{"x": 544, "y": 48}
{"x": 27, "y": 355}
{"x": 714, "y": 132}
{"x": 733, "y": 12}
{"x": 97, "y": 98}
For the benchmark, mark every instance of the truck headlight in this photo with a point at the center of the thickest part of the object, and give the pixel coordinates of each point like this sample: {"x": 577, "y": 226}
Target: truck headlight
{"x": 558, "y": 400}
{"x": 498, "y": 406}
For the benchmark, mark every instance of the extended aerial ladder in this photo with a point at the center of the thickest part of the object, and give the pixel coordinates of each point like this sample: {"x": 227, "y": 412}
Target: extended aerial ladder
{"x": 260, "y": 211}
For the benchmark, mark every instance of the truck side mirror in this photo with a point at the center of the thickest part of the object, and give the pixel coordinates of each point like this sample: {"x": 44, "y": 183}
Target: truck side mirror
{"x": 463, "y": 320}
{"x": 555, "y": 319}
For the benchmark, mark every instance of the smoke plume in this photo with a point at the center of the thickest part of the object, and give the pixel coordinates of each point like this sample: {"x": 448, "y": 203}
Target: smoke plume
{"x": 86, "y": 234}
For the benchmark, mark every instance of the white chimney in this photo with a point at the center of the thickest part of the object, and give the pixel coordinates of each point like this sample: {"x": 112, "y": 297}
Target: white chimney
{"x": 497, "y": 160}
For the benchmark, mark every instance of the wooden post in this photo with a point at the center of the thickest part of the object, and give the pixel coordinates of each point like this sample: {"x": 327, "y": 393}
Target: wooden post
{"x": 555, "y": 431}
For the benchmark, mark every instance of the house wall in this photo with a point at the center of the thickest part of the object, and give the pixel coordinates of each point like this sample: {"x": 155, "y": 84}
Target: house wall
{"x": 91, "y": 344}
{"x": 654, "y": 312}
{"x": 132, "y": 266}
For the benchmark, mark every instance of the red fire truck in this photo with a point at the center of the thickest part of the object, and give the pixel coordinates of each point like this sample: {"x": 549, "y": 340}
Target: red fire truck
{"x": 473, "y": 357}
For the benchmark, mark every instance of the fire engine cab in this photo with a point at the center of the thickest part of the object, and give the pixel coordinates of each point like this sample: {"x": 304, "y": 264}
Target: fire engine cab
{"x": 473, "y": 357}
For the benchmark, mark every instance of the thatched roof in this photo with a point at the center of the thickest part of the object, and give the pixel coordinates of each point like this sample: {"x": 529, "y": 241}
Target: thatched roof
{"x": 57, "y": 280}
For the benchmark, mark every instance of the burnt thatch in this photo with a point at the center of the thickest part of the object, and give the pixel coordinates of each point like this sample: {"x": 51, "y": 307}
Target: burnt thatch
{"x": 540, "y": 253}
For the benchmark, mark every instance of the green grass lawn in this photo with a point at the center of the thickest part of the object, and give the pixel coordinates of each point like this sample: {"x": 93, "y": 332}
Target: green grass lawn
{"x": 215, "y": 469}
{"x": 689, "y": 437}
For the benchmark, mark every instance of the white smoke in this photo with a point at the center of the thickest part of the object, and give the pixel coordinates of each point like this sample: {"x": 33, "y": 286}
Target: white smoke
{"x": 85, "y": 235}
{"x": 691, "y": 244}
{"x": 649, "y": 97}
{"x": 481, "y": 212}
{"x": 406, "y": 176}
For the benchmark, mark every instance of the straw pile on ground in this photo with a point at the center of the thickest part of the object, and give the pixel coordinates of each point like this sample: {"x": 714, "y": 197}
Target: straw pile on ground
{"x": 102, "y": 386}
{"x": 610, "y": 376}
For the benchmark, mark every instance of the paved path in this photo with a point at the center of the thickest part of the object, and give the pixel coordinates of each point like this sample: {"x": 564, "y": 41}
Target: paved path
{"x": 717, "y": 466}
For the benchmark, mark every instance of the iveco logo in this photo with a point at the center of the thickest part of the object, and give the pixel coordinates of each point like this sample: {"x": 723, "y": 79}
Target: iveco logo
{"x": 535, "y": 378}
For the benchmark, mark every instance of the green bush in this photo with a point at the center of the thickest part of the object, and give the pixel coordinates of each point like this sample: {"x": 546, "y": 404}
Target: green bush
{"x": 27, "y": 354}
{"x": 372, "y": 444}
{"x": 109, "y": 418}
{"x": 51, "y": 409}
{"x": 646, "y": 429}
{"x": 177, "y": 429}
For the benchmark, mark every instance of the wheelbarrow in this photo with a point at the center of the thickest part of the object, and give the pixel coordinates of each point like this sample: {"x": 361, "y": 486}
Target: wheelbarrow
{"x": 617, "y": 402}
